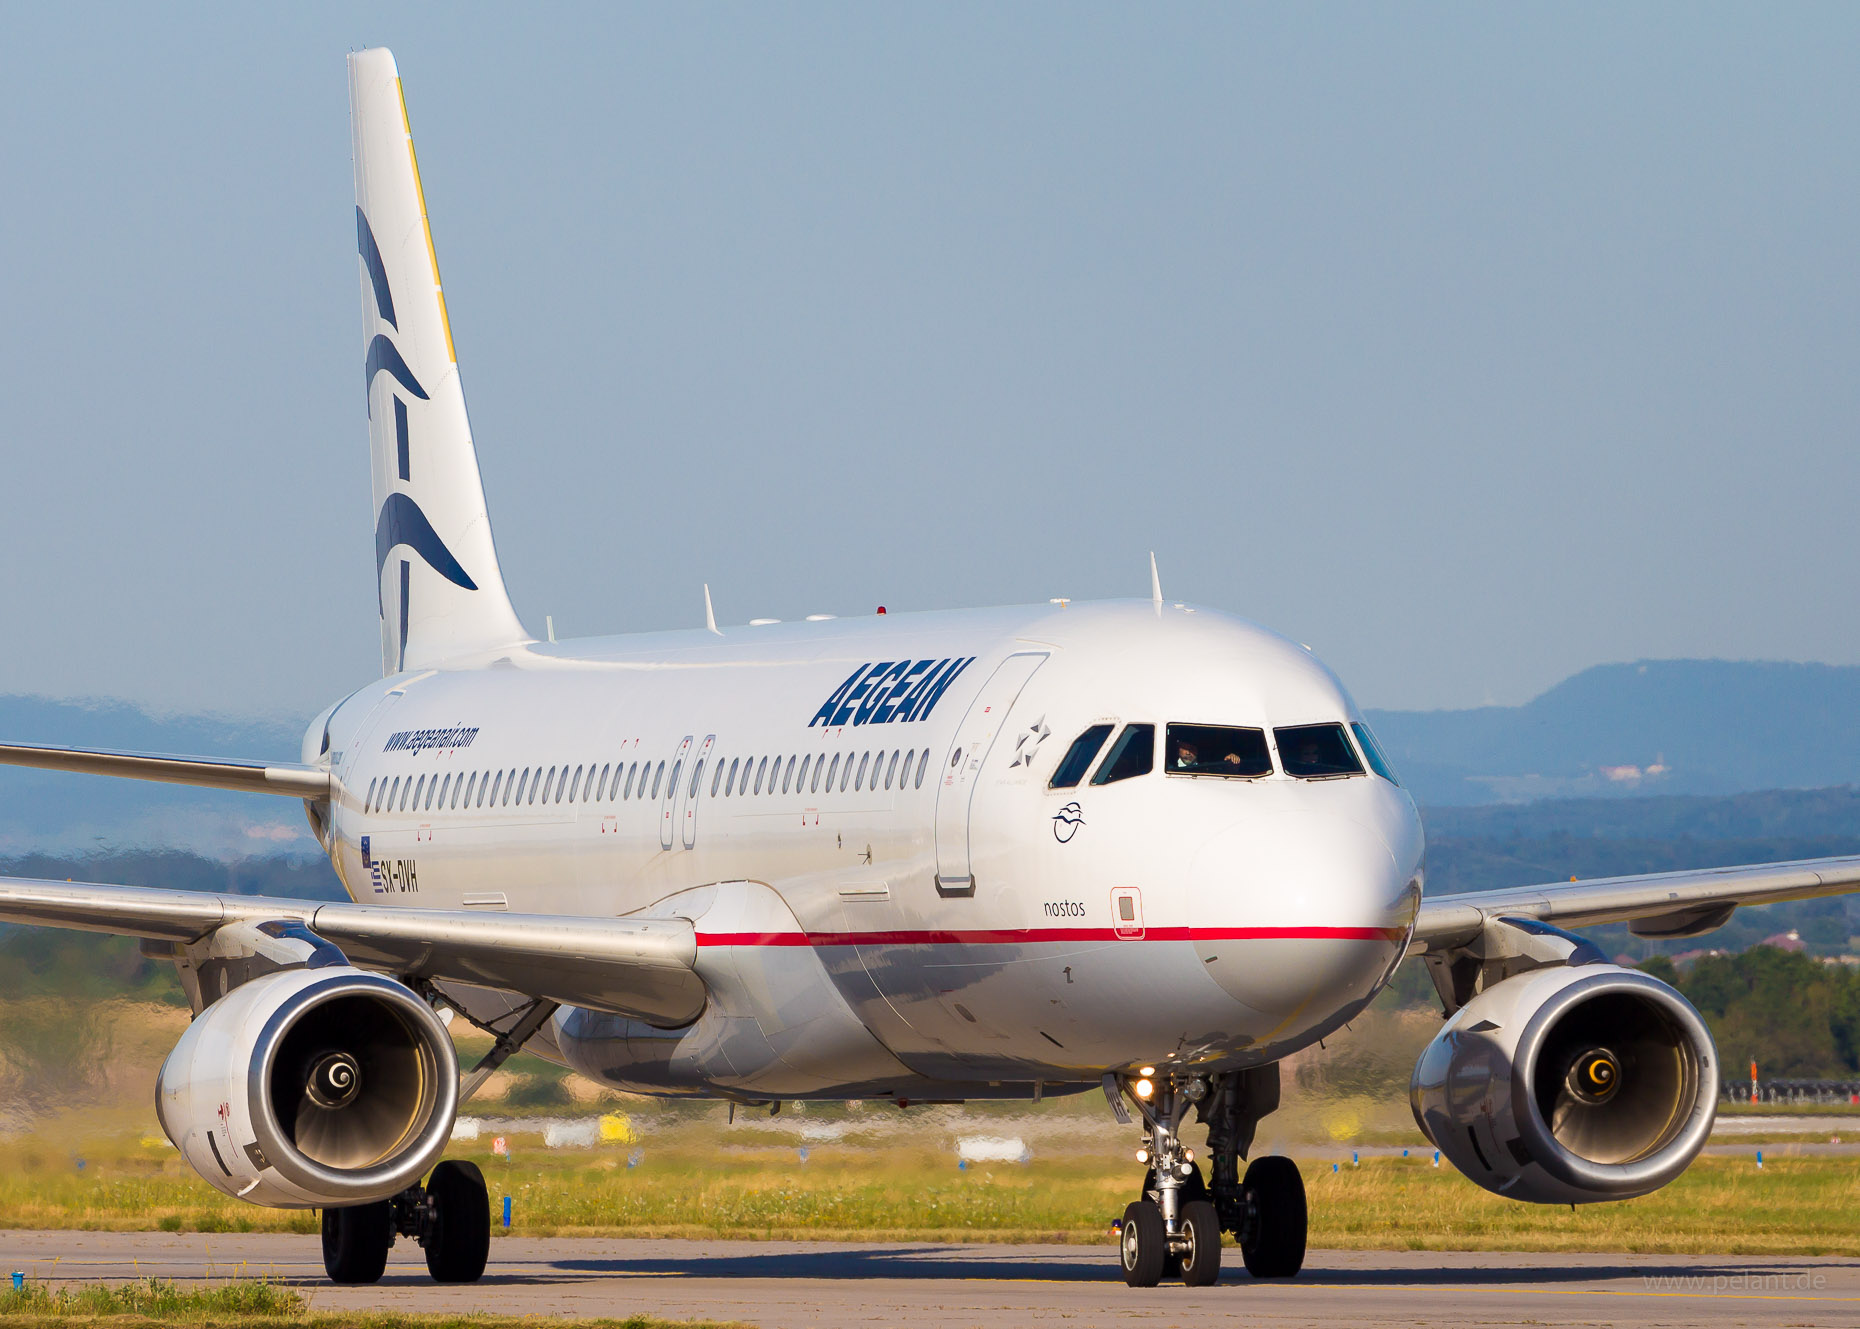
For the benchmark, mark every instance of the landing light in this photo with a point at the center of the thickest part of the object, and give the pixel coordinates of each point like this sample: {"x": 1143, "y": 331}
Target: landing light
{"x": 1147, "y": 1071}
{"x": 1145, "y": 1088}
{"x": 1143, "y": 1155}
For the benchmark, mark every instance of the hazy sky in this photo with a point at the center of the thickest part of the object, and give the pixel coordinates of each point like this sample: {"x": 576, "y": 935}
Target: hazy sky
{"x": 1472, "y": 345}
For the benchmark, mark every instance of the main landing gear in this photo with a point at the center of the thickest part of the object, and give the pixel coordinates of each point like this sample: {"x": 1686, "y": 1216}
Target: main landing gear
{"x": 450, "y": 1216}
{"x": 1173, "y": 1230}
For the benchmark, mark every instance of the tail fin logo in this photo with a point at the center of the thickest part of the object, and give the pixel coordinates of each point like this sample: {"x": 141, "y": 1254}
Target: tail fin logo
{"x": 403, "y": 523}
{"x": 401, "y": 520}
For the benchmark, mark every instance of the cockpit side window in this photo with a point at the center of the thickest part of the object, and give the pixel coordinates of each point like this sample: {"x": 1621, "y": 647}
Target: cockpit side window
{"x": 1378, "y": 760}
{"x": 1316, "y": 751}
{"x": 1206, "y": 749}
{"x": 1079, "y": 756}
{"x": 1133, "y": 754}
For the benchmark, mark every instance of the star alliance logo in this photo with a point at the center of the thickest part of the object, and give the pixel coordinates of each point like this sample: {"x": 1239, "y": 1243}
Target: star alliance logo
{"x": 1029, "y": 743}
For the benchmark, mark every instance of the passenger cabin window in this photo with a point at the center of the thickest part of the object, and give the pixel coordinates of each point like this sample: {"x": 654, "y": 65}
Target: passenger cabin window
{"x": 1316, "y": 752}
{"x": 1078, "y": 758}
{"x": 1133, "y": 754}
{"x": 762, "y": 767}
{"x": 1206, "y": 749}
{"x": 1378, "y": 762}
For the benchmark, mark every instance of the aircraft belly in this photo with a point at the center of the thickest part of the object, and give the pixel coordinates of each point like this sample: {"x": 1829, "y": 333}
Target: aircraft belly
{"x": 775, "y": 1023}
{"x": 1058, "y": 1009}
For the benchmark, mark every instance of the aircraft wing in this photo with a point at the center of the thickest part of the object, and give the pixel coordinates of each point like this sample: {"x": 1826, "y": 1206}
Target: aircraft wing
{"x": 636, "y": 967}
{"x": 1664, "y": 904}
{"x": 214, "y": 773}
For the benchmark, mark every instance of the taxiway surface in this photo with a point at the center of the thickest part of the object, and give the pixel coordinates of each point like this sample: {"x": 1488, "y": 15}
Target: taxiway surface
{"x": 822, "y": 1285}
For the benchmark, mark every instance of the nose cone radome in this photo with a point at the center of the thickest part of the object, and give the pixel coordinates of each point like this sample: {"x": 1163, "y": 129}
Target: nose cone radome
{"x": 1301, "y": 915}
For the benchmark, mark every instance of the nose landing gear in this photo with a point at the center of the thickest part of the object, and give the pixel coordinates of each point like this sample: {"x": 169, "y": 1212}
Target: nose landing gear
{"x": 1174, "y": 1229}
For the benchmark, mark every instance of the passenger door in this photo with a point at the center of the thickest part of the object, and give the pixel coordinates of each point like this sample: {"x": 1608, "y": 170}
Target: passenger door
{"x": 975, "y": 739}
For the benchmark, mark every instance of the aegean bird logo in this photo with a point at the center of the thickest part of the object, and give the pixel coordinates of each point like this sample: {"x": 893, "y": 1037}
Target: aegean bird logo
{"x": 1066, "y": 822}
{"x": 401, "y": 520}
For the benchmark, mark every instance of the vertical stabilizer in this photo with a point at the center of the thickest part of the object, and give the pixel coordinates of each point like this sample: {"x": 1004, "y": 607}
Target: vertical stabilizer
{"x": 441, "y": 592}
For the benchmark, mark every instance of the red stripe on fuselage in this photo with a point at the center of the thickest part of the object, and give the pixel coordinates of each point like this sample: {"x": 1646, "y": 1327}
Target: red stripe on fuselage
{"x": 1015, "y": 936}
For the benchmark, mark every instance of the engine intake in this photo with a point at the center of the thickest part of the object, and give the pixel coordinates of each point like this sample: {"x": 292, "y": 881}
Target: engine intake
{"x": 312, "y": 1087}
{"x": 1570, "y": 1085}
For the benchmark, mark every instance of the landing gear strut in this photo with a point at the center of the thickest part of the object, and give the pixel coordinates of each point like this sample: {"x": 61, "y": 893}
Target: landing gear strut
{"x": 450, "y": 1216}
{"x": 1174, "y": 1229}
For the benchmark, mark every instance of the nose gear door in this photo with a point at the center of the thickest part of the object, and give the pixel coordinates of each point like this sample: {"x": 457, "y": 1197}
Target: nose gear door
{"x": 975, "y": 738}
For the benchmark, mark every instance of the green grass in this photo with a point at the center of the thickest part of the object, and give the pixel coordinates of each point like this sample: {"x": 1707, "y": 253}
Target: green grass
{"x": 238, "y": 1304}
{"x": 911, "y": 1192}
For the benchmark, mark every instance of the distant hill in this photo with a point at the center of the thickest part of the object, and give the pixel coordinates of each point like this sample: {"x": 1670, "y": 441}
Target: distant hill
{"x": 1651, "y": 727}
{"x": 51, "y": 813}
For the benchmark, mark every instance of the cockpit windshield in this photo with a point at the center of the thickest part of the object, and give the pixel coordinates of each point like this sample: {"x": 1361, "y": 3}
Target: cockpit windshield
{"x": 1378, "y": 759}
{"x": 1133, "y": 754}
{"x": 1078, "y": 757}
{"x": 1316, "y": 751}
{"x": 1206, "y": 749}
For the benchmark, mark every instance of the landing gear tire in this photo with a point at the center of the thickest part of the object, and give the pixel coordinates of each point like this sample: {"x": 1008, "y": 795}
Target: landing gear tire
{"x": 356, "y": 1241}
{"x": 1143, "y": 1244}
{"x": 1274, "y": 1242}
{"x": 1200, "y": 1259}
{"x": 458, "y": 1240}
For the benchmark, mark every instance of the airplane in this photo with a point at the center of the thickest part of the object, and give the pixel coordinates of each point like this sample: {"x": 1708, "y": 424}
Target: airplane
{"x": 1141, "y": 848}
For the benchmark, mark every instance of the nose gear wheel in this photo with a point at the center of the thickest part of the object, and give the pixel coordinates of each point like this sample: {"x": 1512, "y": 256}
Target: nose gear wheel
{"x": 1175, "y": 1228}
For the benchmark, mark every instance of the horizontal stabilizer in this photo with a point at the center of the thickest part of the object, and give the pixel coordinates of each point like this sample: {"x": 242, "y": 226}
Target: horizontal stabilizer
{"x": 252, "y": 776}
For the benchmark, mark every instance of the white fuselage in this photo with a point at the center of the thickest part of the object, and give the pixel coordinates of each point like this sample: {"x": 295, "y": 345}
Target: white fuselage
{"x": 890, "y": 899}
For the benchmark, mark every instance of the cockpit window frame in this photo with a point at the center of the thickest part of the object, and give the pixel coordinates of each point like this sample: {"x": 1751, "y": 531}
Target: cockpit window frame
{"x": 1349, "y": 746}
{"x": 1089, "y": 759}
{"x": 1372, "y": 753}
{"x": 1103, "y": 776}
{"x": 1266, "y": 746}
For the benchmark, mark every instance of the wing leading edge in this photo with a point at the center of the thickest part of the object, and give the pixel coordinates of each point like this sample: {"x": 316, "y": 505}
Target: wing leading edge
{"x": 1669, "y": 904}
{"x": 252, "y": 776}
{"x": 636, "y": 967}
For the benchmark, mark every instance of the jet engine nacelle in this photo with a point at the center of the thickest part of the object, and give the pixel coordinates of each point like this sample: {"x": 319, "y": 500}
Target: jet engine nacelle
{"x": 1571, "y": 1084}
{"x": 311, "y": 1088}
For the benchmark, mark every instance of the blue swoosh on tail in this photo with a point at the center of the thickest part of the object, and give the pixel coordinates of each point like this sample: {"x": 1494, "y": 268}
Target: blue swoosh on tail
{"x": 384, "y": 355}
{"x": 377, "y": 271}
{"x": 403, "y": 523}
